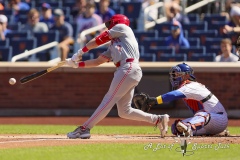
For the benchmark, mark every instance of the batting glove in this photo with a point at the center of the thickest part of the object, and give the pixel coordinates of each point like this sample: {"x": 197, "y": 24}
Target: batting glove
{"x": 71, "y": 63}
{"x": 77, "y": 56}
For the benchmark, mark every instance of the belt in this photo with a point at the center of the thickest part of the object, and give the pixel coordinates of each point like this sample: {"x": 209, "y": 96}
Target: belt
{"x": 207, "y": 98}
{"x": 119, "y": 63}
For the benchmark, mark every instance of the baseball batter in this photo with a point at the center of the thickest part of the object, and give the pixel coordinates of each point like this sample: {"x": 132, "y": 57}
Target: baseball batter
{"x": 209, "y": 118}
{"x": 123, "y": 51}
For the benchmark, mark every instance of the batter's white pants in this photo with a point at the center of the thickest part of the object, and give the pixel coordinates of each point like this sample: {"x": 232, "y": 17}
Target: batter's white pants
{"x": 121, "y": 91}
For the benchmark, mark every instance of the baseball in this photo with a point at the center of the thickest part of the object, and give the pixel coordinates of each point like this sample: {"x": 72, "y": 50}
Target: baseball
{"x": 12, "y": 81}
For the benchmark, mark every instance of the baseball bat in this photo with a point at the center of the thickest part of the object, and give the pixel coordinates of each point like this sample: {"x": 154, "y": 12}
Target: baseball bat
{"x": 40, "y": 73}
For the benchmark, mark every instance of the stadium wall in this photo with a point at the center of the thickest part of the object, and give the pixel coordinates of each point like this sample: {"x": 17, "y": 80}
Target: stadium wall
{"x": 78, "y": 92}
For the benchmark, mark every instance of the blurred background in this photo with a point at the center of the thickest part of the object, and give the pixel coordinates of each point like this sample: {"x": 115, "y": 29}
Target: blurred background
{"x": 35, "y": 34}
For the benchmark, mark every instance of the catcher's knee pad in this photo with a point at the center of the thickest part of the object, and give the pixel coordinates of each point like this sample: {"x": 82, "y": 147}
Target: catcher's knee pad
{"x": 205, "y": 115}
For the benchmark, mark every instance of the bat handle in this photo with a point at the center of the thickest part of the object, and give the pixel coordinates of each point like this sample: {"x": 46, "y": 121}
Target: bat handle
{"x": 57, "y": 66}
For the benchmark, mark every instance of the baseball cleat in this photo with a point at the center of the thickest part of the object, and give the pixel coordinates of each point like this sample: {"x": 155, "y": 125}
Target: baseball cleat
{"x": 163, "y": 124}
{"x": 183, "y": 128}
{"x": 80, "y": 132}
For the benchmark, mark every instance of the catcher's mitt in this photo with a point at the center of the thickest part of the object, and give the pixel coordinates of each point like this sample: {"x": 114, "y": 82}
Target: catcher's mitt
{"x": 143, "y": 102}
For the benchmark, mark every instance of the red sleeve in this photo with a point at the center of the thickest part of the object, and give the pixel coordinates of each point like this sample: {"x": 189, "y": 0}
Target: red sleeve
{"x": 103, "y": 38}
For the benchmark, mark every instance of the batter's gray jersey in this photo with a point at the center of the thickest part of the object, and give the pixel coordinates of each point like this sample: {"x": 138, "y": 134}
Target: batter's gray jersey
{"x": 123, "y": 45}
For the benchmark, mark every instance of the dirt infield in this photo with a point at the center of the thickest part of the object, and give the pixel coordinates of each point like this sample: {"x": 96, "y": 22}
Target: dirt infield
{"x": 23, "y": 141}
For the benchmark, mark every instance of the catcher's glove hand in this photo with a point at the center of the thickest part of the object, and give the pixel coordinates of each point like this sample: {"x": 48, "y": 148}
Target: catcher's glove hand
{"x": 143, "y": 102}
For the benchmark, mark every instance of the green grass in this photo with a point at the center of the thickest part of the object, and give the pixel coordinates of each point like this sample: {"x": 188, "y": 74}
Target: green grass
{"x": 107, "y": 151}
{"x": 115, "y": 152}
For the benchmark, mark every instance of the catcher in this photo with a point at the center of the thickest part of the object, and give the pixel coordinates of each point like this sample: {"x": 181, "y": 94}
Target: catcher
{"x": 209, "y": 115}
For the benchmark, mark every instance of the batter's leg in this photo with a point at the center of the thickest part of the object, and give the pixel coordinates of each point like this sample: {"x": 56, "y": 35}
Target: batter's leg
{"x": 126, "y": 111}
{"x": 125, "y": 78}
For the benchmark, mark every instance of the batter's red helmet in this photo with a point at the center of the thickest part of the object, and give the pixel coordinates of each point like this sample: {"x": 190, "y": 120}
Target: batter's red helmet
{"x": 117, "y": 19}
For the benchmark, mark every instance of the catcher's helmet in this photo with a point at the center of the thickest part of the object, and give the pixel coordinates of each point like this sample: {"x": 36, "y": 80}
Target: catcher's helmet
{"x": 178, "y": 72}
{"x": 117, "y": 19}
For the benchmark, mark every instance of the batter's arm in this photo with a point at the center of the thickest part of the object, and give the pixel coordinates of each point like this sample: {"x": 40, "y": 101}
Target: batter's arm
{"x": 93, "y": 62}
{"x": 91, "y": 44}
{"x": 95, "y": 42}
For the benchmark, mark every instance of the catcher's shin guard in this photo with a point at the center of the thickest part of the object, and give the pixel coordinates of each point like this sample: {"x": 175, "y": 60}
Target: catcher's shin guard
{"x": 180, "y": 128}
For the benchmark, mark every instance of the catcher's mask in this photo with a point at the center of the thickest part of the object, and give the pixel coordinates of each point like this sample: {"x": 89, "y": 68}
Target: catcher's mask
{"x": 117, "y": 19}
{"x": 178, "y": 72}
